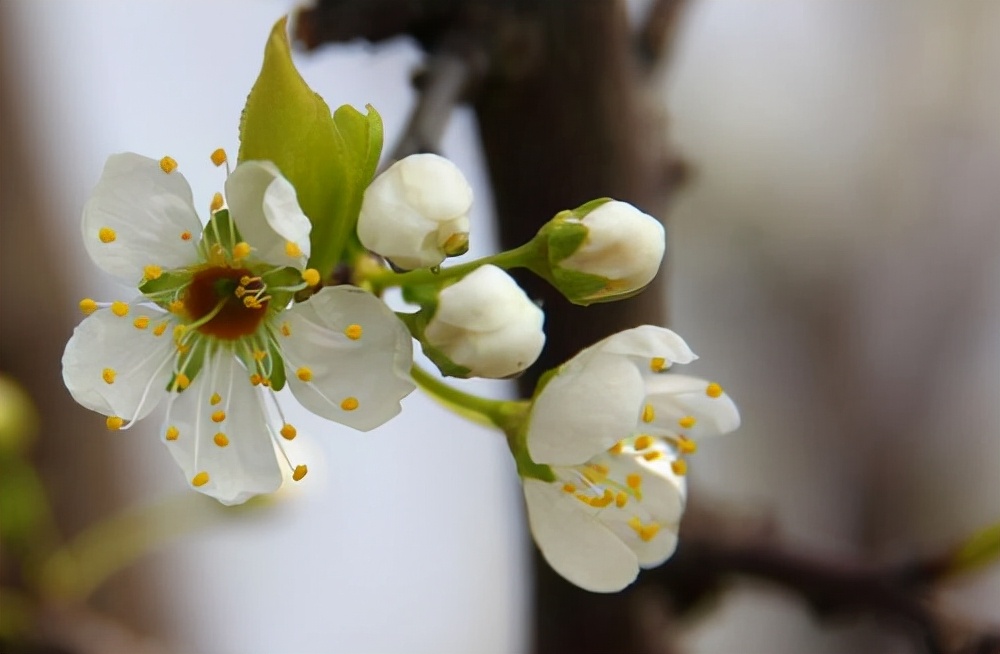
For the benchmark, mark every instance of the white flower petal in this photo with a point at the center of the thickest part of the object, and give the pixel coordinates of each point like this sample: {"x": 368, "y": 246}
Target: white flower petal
{"x": 575, "y": 543}
{"x": 266, "y": 210}
{"x": 641, "y": 344}
{"x": 106, "y": 347}
{"x": 584, "y": 409}
{"x": 356, "y": 382}
{"x": 138, "y": 216}
{"x": 678, "y": 396}
{"x": 246, "y": 465}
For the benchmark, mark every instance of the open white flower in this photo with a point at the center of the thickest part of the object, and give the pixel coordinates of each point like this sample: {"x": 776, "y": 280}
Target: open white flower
{"x": 486, "y": 324}
{"x": 416, "y": 213}
{"x": 615, "y": 431}
{"x": 212, "y": 332}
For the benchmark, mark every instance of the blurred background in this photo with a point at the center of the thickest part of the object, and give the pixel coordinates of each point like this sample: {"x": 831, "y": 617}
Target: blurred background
{"x": 834, "y": 259}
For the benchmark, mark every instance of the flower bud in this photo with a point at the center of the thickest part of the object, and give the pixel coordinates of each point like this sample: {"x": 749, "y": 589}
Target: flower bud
{"x": 486, "y": 325}
{"x": 605, "y": 250}
{"x": 416, "y": 213}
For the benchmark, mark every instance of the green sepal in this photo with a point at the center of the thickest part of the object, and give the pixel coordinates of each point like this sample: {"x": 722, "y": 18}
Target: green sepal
{"x": 277, "y": 376}
{"x": 526, "y": 468}
{"x": 167, "y": 283}
{"x": 328, "y": 158}
{"x": 220, "y": 230}
{"x": 417, "y": 323}
{"x": 279, "y": 279}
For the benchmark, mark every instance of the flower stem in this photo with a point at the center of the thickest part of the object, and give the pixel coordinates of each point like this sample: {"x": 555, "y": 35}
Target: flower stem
{"x": 491, "y": 413}
{"x": 525, "y": 256}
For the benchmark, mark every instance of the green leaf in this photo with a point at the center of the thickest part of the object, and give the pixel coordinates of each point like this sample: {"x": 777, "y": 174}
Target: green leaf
{"x": 981, "y": 550}
{"x": 328, "y": 158}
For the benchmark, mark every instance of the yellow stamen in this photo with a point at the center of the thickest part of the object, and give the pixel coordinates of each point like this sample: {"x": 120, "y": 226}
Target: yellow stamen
{"x": 200, "y": 479}
{"x": 680, "y": 467}
{"x": 642, "y": 442}
{"x": 221, "y": 439}
{"x": 216, "y": 203}
{"x": 87, "y": 306}
{"x": 241, "y": 250}
{"x": 159, "y": 329}
{"x": 300, "y": 472}
{"x": 286, "y": 330}
{"x": 215, "y": 399}
{"x": 218, "y": 416}
{"x": 310, "y": 276}
{"x": 176, "y": 306}
{"x": 152, "y": 272}
{"x": 259, "y": 355}
{"x": 219, "y": 157}
{"x": 652, "y": 456}
{"x": 349, "y": 404}
{"x": 569, "y": 488}
{"x": 106, "y": 234}
{"x": 648, "y": 413}
{"x": 179, "y": 332}
{"x": 172, "y": 433}
{"x": 634, "y": 480}
{"x": 645, "y": 532}
{"x": 168, "y": 165}
{"x": 616, "y": 448}
{"x": 120, "y": 309}
{"x": 185, "y": 236}
{"x": 109, "y": 375}
{"x": 114, "y": 423}
{"x": 288, "y": 432}
{"x": 182, "y": 381}
{"x": 604, "y": 500}
{"x": 713, "y": 390}
{"x": 141, "y": 322}
{"x": 353, "y": 332}
{"x": 657, "y": 364}
{"x": 292, "y": 249}
{"x": 687, "y": 422}
{"x": 304, "y": 373}
{"x": 256, "y": 379}
{"x": 686, "y": 445}
{"x": 621, "y": 499}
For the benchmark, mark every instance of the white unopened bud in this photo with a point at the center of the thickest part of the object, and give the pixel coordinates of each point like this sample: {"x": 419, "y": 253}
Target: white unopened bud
{"x": 619, "y": 254}
{"x": 486, "y": 324}
{"x": 416, "y": 213}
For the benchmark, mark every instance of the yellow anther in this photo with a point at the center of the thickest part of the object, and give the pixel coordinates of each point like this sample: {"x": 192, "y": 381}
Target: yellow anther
{"x": 152, "y": 272}
{"x": 652, "y": 456}
{"x": 179, "y": 331}
{"x": 304, "y": 373}
{"x": 250, "y": 302}
{"x": 591, "y": 475}
{"x": 657, "y": 364}
{"x": 109, "y": 375}
{"x": 621, "y": 499}
{"x": 686, "y": 445}
{"x": 604, "y": 500}
{"x": 353, "y": 332}
{"x": 168, "y": 164}
{"x": 648, "y": 413}
{"x": 292, "y": 249}
{"x": 141, "y": 322}
{"x": 256, "y": 379}
{"x": 172, "y": 433}
{"x": 616, "y": 448}
{"x": 687, "y": 422}
{"x": 88, "y": 306}
{"x": 185, "y": 236}
{"x": 114, "y": 423}
{"x": 569, "y": 488}
{"x": 713, "y": 390}
{"x": 218, "y": 416}
{"x": 288, "y": 432}
{"x": 182, "y": 381}
{"x": 645, "y": 532}
{"x": 642, "y": 442}
{"x": 220, "y": 439}
{"x": 219, "y": 157}
{"x": 286, "y": 330}
{"x": 634, "y": 481}
{"x": 200, "y": 479}
{"x": 600, "y": 468}
{"x": 176, "y": 306}
{"x": 259, "y": 355}
{"x": 240, "y": 291}
{"x": 265, "y": 381}
{"x": 349, "y": 404}
{"x": 106, "y": 234}
{"x": 215, "y": 399}
{"x": 241, "y": 250}
{"x": 299, "y": 472}
{"x": 680, "y": 467}
{"x": 310, "y": 276}
{"x": 159, "y": 329}
{"x": 120, "y": 309}
{"x": 245, "y": 280}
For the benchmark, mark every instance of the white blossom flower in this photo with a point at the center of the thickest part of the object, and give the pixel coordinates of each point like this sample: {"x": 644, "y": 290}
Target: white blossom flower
{"x": 211, "y": 331}
{"x": 416, "y": 213}
{"x": 615, "y": 431}
{"x": 621, "y": 251}
{"x": 485, "y": 323}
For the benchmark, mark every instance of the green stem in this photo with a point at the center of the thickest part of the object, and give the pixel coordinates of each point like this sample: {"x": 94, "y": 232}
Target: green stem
{"x": 525, "y": 256}
{"x": 503, "y": 414}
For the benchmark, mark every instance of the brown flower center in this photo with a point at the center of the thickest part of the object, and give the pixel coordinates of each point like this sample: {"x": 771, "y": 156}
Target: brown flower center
{"x": 240, "y": 294}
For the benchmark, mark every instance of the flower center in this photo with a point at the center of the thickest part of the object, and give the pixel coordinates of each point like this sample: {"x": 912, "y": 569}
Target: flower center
{"x": 234, "y": 294}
